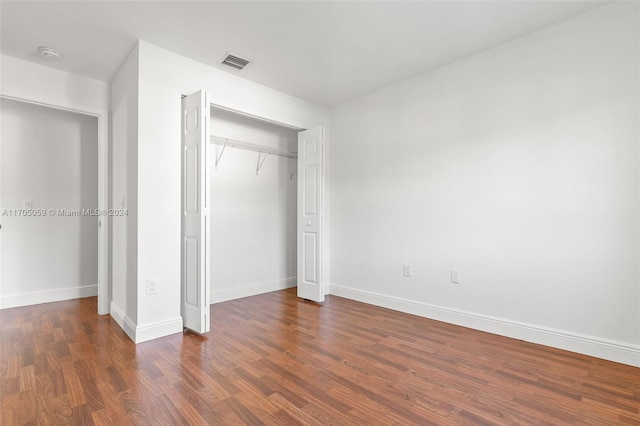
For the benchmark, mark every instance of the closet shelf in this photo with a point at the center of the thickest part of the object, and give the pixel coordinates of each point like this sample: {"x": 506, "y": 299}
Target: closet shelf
{"x": 219, "y": 140}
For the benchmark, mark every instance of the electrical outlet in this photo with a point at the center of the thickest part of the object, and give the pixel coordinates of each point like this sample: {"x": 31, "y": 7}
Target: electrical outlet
{"x": 407, "y": 270}
{"x": 455, "y": 276}
{"x": 152, "y": 287}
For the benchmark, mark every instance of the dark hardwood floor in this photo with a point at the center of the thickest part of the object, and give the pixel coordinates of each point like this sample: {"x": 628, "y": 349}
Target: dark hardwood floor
{"x": 274, "y": 359}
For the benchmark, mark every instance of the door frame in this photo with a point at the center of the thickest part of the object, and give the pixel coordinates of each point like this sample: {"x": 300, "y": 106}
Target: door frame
{"x": 103, "y": 179}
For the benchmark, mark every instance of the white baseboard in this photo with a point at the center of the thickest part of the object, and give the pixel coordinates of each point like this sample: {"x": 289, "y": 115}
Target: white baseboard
{"x": 156, "y": 330}
{"x": 611, "y": 350}
{"x": 125, "y": 323}
{"x": 46, "y": 296}
{"x": 145, "y": 332}
{"x": 251, "y": 290}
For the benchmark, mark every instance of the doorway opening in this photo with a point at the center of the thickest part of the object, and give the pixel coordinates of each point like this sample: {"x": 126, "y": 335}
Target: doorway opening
{"x": 53, "y": 237}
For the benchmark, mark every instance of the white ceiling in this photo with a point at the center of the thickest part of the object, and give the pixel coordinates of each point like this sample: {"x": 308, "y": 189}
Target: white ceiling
{"x": 324, "y": 52}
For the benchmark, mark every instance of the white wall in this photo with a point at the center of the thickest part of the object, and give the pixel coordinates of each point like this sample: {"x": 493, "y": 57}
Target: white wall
{"x": 163, "y": 77}
{"x": 50, "y": 159}
{"x": 518, "y": 166}
{"x": 124, "y": 159}
{"x": 253, "y": 218}
{"x": 32, "y": 81}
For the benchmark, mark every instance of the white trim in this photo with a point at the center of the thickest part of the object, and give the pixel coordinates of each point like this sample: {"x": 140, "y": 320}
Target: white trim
{"x": 612, "y": 350}
{"x": 51, "y": 102}
{"x": 125, "y": 323}
{"x": 47, "y": 296}
{"x": 156, "y": 330}
{"x": 103, "y": 178}
{"x": 326, "y": 288}
{"x": 103, "y": 224}
{"x": 252, "y": 290}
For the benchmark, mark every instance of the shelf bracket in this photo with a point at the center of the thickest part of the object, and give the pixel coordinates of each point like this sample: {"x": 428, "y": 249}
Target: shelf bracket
{"x": 261, "y": 162}
{"x": 219, "y": 156}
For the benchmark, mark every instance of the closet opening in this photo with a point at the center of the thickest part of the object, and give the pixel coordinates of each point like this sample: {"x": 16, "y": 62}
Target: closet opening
{"x": 253, "y": 192}
{"x": 252, "y": 217}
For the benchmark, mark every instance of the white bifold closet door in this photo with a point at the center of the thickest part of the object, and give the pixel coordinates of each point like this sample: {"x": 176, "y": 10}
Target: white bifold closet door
{"x": 196, "y": 244}
{"x": 310, "y": 211}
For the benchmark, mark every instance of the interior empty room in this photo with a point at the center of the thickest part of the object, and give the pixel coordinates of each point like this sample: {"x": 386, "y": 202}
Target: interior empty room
{"x": 320, "y": 212}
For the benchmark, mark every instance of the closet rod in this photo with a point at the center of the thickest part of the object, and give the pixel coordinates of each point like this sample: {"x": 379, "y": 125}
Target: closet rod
{"x": 219, "y": 140}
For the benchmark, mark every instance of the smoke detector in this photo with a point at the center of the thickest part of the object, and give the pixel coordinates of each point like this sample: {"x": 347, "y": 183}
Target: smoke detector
{"x": 49, "y": 53}
{"x": 234, "y": 61}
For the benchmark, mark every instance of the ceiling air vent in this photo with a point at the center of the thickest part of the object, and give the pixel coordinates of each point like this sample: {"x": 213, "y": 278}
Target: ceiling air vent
{"x": 234, "y": 61}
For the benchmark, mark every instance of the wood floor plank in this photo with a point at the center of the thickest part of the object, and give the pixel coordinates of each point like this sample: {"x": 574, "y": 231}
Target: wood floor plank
{"x": 276, "y": 359}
